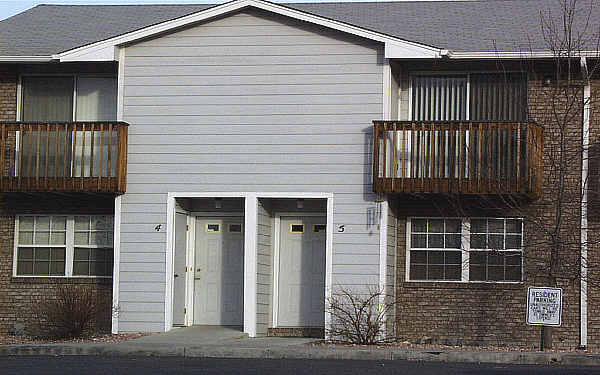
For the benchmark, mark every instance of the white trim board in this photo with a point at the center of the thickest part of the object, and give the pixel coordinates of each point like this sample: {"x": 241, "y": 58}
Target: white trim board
{"x": 116, "y": 265}
{"x": 107, "y": 50}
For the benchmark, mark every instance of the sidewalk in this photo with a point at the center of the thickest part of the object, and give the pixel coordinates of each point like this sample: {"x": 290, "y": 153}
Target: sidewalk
{"x": 216, "y": 342}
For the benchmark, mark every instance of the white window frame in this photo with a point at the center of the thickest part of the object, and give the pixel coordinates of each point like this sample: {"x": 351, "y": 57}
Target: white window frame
{"x": 69, "y": 248}
{"x": 466, "y": 249}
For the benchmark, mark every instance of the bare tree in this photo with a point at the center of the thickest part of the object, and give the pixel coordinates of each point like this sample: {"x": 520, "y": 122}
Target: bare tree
{"x": 553, "y": 239}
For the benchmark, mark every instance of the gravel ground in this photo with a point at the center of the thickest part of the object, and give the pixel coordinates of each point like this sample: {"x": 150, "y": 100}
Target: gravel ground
{"x": 19, "y": 340}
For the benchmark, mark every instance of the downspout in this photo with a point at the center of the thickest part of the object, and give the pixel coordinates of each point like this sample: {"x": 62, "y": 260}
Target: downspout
{"x": 584, "y": 207}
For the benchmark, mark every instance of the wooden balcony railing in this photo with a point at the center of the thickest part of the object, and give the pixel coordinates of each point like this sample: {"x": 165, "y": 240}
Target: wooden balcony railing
{"x": 484, "y": 158}
{"x": 63, "y": 157}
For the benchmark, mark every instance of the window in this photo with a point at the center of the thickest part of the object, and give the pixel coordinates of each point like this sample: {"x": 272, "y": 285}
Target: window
{"x": 462, "y": 249}
{"x": 64, "y": 246}
{"x": 474, "y": 97}
{"x": 435, "y": 252}
{"x": 496, "y": 250}
{"x": 93, "y": 241}
{"x": 69, "y": 98}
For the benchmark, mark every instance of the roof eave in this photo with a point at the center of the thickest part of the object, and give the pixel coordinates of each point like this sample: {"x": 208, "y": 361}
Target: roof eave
{"x": 518, "y": 55}
{"x": 107, "y": 50}
{"x": 25, "y": 59}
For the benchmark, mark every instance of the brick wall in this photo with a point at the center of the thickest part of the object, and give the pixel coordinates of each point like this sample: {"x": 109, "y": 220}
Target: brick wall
{"x": 494, "y": 313}
{"x": 19, "y": 295}
{"x": 8, "y": 93}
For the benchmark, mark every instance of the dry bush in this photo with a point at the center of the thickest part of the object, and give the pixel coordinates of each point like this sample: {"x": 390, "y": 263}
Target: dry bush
{"x": 360, "y": 318}
{"x": 69, "y": 313}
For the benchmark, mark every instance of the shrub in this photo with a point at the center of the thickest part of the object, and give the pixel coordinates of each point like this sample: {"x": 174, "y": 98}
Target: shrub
{"x": 360, "y": 318}
{"x": 68, "y": 313}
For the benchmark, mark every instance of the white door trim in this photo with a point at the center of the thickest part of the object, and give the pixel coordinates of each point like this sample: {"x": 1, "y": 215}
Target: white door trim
{"x": 250, "y": 257}
{"x": 189, "y": 275}
{"x": 276, "y": 247}
{"x": 216, "y": 214}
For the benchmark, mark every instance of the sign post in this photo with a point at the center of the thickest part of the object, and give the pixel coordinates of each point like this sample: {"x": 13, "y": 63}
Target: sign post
{"x": 544, "y": 308}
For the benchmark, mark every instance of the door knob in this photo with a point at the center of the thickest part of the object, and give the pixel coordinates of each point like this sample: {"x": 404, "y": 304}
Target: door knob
{"x": 176, "y": 275}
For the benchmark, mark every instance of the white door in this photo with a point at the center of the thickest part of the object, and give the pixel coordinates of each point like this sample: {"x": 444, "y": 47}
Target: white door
{"x": 219, "y": 272}
{"x": 179, "y": 269}
{"x": 301, "y": 284}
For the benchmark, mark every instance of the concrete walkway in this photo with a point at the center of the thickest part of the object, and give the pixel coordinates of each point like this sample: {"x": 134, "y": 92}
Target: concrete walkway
{"x": 223, "y": 342}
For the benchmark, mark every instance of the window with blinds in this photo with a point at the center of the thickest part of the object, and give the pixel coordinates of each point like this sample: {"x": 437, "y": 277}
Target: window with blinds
{"x": 498, "y": 97}
{"x": 490, "y": 97}
{"x": 485, "y": 97}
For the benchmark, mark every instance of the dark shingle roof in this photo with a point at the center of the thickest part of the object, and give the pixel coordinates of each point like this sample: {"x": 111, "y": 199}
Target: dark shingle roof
{"x": 482, "y": 25}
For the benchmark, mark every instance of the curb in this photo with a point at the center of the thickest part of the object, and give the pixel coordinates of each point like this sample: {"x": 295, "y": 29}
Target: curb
{"x": 301, "y": 352}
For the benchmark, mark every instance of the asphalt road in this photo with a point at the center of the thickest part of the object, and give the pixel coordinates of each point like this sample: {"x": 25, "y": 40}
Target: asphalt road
{"x": 175, "y": 366}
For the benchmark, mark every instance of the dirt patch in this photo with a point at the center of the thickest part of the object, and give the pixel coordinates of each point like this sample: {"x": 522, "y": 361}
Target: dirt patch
{"x": 108, "y": 338}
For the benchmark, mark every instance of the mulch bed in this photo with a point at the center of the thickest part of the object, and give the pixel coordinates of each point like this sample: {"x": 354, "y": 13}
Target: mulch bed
{"x": 105, "y": 338}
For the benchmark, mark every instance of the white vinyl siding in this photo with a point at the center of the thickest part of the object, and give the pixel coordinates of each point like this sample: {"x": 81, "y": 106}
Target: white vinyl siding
{"x": 249, "y": 103}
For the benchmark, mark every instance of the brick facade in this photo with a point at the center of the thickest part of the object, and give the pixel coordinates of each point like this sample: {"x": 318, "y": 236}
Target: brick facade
{"x": 18, "y": 294}
{"x": 494, "y": 313}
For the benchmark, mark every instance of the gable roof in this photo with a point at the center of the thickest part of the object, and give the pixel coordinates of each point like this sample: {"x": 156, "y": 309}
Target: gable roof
{"x": 460, "y": 26}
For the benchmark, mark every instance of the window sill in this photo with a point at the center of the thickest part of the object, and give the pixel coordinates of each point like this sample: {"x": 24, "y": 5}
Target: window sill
{"x": 467, "y": 285}
{"x": 97, "y": 280}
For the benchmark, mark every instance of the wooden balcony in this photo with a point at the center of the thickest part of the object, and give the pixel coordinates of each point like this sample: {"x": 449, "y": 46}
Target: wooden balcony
{"x": 65, "y": 157}
{"x": 472, "y": 158}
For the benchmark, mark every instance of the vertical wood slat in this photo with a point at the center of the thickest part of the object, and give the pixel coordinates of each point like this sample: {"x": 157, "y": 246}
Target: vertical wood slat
{"x": 101, "y": 155}
{"x": 518, "y": 153}
{"x": 499, "y": 153}
{"x": 413, "y": 153}
{"x": 509, "y": 158}
{"x": 489, "y": 141}
{"x": 376, "y": 156}
{"x": 92, "y": 129}
{"x": 12, "y": 155}
{"x": 431, "y": 151}
{"x": 461, "y": 155}
{"x": 422, "y": 156}
{"x": 479, "y": 155}
{"x": 404, "y": 153}
{"x": 56, "y": 161}
{"x": 47, "y": 157}
{"x": 65, "y": 161}
{"x": 30, "y": 157}
{"x": 73, "y": 157}
{"x": 82, "y": 166}
{"x": 122, "y": 182}
{"x": 110, "y": 142}
{"x": 37, "y": 157}
{"x": 20, "y": 166}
